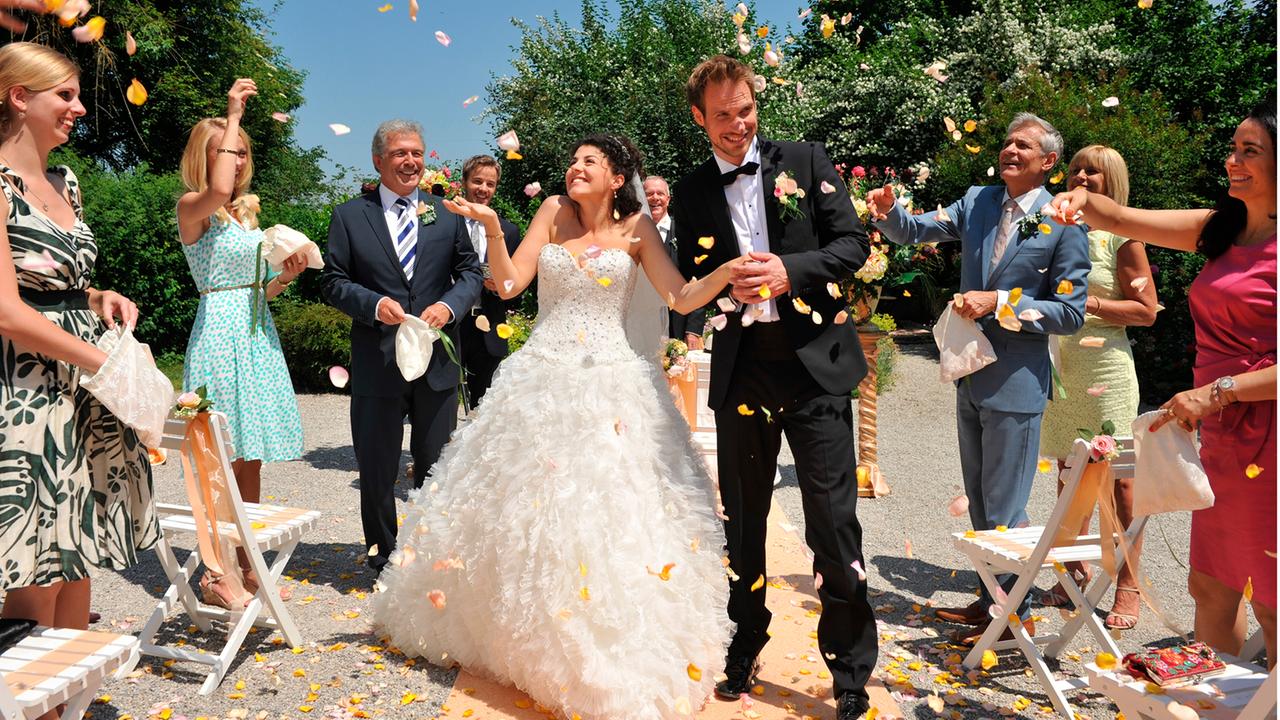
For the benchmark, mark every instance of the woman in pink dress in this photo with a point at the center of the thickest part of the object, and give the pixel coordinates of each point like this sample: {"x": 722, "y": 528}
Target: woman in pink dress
{"x": 1233, "y": 304}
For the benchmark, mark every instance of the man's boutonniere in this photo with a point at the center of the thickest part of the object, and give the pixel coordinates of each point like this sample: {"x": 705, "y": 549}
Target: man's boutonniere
{"x": 426, "y": 212}
{"x": 1030, "y": 224}
{"x": 788, "y": 194}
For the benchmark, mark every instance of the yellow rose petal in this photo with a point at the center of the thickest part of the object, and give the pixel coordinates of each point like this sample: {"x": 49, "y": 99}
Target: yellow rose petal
{"x": 695, "y": 673}
{"x": 1015, "y": 296}
{"x": 765, "y": 292}
{"x": 970, "y": 126}
{"x": 136, "y": 94}
{"x": 706, "y": 242}
{"x": 1252, "y": 471}
{"x": 1105, "y": 661}
{"x": 975, "y": 149}
{"x": 699, "y": 259}
{"x": 604, "y": 281}
{"x": 1044, "y": 466}
{"x": 1248, "y": 589}
{"x": 759, "y": 583}
{"x": 744, "y": 410}
{"x": 385, "y": 8}
{"x": 1045, "y": 228}
{"x": 504, "y": 331}
{"x": 1057, "y": 177}
{"x": 1065, "y": 287}
{"x": 513, "y": 155}
{"x": 989, "y": 659}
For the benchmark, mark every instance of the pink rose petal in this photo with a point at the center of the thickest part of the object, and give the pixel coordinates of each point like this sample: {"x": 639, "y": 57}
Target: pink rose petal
{"x": 532, "y": 189}
{"x": 959, "y": 506}
{"x": 726, "y": 304}
{"x": 817, "y": 581}
{"x": 443, "y": 38}
{"x": 857, "y": 567}
{"x": 719, "y": 321}
{"x": 509, "y": 141}
{"x": 43, "y": 261}
{"x": 1030, "y": 315}
{"x": 827, "y": 188}
{"x": 507, "y": 285}
{"x": 1096, "y": 390}
{"x": 280, "y": 117}
{"x": 339, "y": 376}
{"x": 592, "y": 251}
{"x": 470, "y": 100}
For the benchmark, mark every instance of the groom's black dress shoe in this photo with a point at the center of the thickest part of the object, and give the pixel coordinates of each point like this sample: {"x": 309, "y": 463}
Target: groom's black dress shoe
{"x": 851, "y": 707}
{"x": 740, "y": 675}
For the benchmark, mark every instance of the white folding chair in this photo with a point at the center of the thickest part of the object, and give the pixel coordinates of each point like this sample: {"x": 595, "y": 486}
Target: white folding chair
{"x": 1026, "y": 552}
{"x": 257, "y": 528}
{"x": 53, "y": 666}
{"x": 1244, "y": 691}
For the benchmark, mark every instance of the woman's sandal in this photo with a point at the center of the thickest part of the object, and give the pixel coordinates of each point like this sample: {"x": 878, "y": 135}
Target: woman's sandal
{"x": 1123, "y": 621}
{"x": 216, "y": 593}
{"x": 1057, "y": 597}
{"x": 251, "y": 585}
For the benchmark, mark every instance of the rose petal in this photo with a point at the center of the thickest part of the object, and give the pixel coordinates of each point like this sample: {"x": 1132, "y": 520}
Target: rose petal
{"x": 759, "y": 83}
{"x": 857, "y": 567}
{"x": 280, "y": 117}
{"x": 1093, "y": 342}
{"x": 1030, "y": 315}
{"x": 719, "y": 321}
{"x": 841, "y": 317}
{"x": 1139, "y": 284}
{"x": 43, "y": 261}
{"x": 90, "y": 31}
{"x": 130, "y": 45}
{"x": 339, "y": 376}
{"x": 443, "y": 38}
{"x": 413, "y": 10}
{"x": 507, "y": 285}
{"x": 339, "y": 129}
{"x": 726, "y": 304}
{"x": 1111, "y": 101}
{"x": 137, "y": 93}
{"x": 508, "y": 141}
{"x": 1096, "y": 390}
{"x": 532, "y": 189}
{"x": 817, "y": 581}
{"x": 482, "y": 324}
{"x": 470, "y": 100}
{"x": 959, "y": 506}
{"x": 991, "y": 171}
{"x": 1252, "y": 471}
{"x": 437, "y": 599}
{"x": 706, "y": 242}
{"x": 827, "y": 188}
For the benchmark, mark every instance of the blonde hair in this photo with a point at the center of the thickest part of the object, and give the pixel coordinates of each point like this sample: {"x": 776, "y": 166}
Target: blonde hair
{"x": 195, "y": 170}
{"x": 34, "y": 67}
{"x": 1115, "y": 172}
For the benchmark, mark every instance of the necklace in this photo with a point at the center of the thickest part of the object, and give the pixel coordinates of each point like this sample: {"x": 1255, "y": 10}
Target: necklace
{"x": 26, "y": 188}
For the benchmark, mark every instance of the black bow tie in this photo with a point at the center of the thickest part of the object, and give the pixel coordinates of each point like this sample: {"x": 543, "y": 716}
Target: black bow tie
{"x": 746, "y": 169}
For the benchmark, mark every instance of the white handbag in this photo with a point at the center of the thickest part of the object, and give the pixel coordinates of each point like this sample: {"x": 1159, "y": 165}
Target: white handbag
{"x": 1168, "y": 476}
{"x": 131, "y": 386}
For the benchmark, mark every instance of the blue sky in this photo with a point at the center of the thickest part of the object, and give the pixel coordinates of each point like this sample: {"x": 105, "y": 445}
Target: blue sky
{"x": 351, "y": 53}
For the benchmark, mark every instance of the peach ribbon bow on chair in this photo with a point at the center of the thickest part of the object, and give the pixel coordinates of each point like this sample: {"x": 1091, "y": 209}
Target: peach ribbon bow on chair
{"x": 207, "y": 493}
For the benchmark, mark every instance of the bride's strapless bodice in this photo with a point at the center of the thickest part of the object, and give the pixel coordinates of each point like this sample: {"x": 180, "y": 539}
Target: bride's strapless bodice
{"x": 583, "y": 306}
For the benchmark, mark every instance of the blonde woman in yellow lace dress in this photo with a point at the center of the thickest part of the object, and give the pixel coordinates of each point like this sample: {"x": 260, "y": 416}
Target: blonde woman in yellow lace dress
{"x": 1101, "y": 383}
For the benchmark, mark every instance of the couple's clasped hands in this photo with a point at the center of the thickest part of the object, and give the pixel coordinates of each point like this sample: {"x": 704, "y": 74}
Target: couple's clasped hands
{"x": 750, "y": 272}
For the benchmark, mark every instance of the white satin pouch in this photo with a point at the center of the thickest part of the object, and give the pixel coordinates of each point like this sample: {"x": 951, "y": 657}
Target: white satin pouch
{"x": 415, "y": 341}
{"x": 962, "y": 348}
{"x": 1168, "y": 476}
{"x": 281, "y": 241}
{"x": 131, "y": 386}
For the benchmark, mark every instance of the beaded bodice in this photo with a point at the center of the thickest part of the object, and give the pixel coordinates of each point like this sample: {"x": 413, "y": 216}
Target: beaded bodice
{"x": 582, "y": 302}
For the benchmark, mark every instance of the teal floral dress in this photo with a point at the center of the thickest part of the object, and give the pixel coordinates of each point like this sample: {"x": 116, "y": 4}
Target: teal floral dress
{"x": 234, "y": 350}
{"x": 75, "y": 484}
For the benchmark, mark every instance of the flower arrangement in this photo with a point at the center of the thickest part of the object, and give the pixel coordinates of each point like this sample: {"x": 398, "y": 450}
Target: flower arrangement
{"x": 1102, "y": 446}
{"x": 788, "y": 194}
{"x": 675, "y": 358}
{"x": 191, "y": 403}
{"x": 440, "y": 177}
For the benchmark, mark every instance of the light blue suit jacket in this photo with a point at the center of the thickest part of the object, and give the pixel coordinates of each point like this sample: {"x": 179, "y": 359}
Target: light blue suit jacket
{"x": 1020, "y": 380}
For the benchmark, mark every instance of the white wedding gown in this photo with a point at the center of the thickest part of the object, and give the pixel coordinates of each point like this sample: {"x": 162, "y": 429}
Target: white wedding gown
{"x": 546, "y": 524}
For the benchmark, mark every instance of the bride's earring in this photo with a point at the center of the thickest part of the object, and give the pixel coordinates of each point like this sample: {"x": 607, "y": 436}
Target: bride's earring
{"x": 616, "y": 216}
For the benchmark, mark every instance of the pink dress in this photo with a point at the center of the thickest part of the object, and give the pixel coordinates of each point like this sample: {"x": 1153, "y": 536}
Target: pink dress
{"x": 1233, "y": 304}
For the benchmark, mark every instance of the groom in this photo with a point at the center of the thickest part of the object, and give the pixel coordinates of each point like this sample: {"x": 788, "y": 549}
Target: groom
{"x": 394, "y": 251}
{"x": 783, "y": 363}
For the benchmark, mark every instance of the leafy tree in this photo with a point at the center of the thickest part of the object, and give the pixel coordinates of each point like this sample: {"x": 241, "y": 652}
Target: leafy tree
{"x": 623, "y": 74}
{"x": 188, "y": 55}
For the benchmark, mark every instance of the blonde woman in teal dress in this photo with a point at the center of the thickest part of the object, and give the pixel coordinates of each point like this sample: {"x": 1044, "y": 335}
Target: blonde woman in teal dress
{"x": 1101, "y": 383}
{"x": 234, "y": 351}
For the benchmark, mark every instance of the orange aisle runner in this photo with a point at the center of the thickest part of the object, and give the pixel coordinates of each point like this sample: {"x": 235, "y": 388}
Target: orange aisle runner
{"x": 793, "y": 684}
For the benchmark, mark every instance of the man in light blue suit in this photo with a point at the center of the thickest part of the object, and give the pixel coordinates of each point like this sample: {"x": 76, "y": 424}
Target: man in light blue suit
{"x": 998, "y": 408}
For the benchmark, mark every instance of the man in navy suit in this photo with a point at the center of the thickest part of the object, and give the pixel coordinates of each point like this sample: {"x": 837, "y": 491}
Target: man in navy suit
{"x": 392, "y": 251}
{"x": 998, "y": 408}
{"x": 784, "y": 362}
{"x": 482, "y": 349}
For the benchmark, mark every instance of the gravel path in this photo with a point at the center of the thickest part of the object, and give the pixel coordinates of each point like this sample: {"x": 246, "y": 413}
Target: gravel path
{"x": 341, "y": 672}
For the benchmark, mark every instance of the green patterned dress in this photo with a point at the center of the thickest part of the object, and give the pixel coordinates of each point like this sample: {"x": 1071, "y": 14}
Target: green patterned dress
{"x": 1109, "y": 367}
{"x": 75, "y": 484}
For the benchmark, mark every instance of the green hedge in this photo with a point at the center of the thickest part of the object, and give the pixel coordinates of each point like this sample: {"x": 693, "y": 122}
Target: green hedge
{"x": 314, "y": 338}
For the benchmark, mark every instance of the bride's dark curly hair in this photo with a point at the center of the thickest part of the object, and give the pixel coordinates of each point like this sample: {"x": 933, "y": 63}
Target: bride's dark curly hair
{"x": 625, "y": 160}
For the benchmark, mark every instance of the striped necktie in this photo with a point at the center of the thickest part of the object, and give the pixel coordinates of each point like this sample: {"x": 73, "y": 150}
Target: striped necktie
{"x": 406, "y": 237}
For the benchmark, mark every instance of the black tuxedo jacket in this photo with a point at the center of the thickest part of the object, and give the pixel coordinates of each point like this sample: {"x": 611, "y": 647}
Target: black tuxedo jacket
{"x": 827, "y": 245}
{"x": 361, "y": 268}
{"x": 491, "y": 305}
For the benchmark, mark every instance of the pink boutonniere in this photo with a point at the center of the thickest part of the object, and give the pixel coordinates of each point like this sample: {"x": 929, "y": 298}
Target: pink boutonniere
{"x": 788, "y": 194}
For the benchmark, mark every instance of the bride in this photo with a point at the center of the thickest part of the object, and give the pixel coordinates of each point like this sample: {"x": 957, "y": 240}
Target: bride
{"x": 566, "y": 541}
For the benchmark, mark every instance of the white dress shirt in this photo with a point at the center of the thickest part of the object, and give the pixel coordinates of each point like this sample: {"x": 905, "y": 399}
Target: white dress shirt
{"x": 745, "y": 197}
{"x": 476, "y": 230}
{"x": 392, "y": 217}
{"x": 664, "y": 229}
{"x": 1025, "y": 206}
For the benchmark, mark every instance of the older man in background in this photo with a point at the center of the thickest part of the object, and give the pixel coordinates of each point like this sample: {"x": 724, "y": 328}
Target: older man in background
{"x": 680, "y": 327}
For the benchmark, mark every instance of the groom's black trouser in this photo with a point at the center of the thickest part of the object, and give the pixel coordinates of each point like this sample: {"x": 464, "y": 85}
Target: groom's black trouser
{"x": 377, "y": 431}
{"x": 819, "y": 429}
